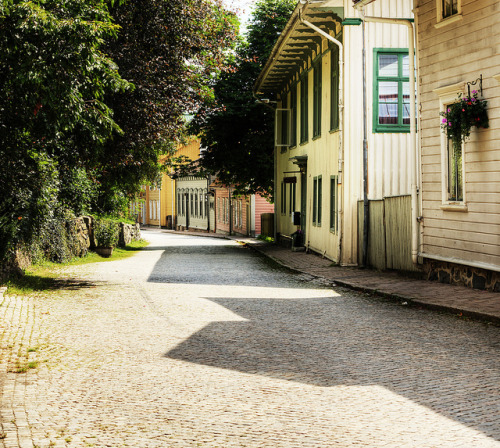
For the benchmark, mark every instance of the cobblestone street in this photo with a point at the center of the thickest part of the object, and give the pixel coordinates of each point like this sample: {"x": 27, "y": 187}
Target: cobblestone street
{"x": 201, "y": 342}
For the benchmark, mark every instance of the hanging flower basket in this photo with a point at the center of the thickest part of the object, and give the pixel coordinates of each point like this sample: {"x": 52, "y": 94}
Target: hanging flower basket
{"x": 461, "y": 116}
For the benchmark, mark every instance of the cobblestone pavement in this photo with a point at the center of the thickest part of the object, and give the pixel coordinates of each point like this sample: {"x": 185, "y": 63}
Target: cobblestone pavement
{"x": 200, "y": 342}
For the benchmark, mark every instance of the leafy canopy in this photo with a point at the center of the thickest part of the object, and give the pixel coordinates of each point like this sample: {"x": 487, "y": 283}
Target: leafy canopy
{"x": 237, "y": 130}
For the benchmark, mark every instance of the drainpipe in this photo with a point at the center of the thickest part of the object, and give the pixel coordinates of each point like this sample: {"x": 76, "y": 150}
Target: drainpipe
{"x": 341, "y": 109}
{"x": 413, "y": 130}
{"x": 366, "y": 203}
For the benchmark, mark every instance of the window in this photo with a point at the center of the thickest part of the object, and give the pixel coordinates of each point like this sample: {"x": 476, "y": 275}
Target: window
{"x": 317, "y": 200}
{"x": 195, "y": 210}
{"x": 293, "y": 117}
{"x": 455, "y": 176}
{"x": 317, "y": 81}
{"x": 447, "y": 9}
{"x": 391, "y": 111}
{"x": 334, "y": 211}
{"x": 284, "y": 123}
{"x": 218, "y": 209}
{"x": 334, "y": 88}
{"x": 453, "y": 172}
{"x": 283, "y": 198}
{"x": 191, "y": 205}
{"x": 320, "y": 199}
{"x": 304, "y": 99}
{"x": 291, "y": 202}
{"x": 241, "y": 214}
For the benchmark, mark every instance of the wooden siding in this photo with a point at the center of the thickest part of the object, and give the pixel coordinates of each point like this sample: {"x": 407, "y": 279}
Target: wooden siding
{"x": 460, "y": 52}
{"x": 262, "y": 205}
{"x": 389, "y": 157}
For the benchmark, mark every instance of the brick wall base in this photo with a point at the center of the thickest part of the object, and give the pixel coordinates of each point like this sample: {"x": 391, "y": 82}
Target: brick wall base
{"x": 457, "y": 274}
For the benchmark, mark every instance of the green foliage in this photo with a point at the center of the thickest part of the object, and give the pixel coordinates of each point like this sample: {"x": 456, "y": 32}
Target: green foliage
{"x": 460, "y": 117}
{"x": 53, "y": 118}
{"x": 171, "y": 50}
{"x": 106, "y": 232}
{"x": 238, "y": 131}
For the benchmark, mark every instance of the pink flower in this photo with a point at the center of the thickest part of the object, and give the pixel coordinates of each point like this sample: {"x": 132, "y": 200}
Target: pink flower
{"x": 444, "y": 120}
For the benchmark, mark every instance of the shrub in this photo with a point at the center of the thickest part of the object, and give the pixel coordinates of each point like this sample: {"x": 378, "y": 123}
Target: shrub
{"x": 106, "y": 232}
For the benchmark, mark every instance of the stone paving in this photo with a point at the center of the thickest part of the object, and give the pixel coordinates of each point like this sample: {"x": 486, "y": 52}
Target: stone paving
{"x": 198, "y": 342}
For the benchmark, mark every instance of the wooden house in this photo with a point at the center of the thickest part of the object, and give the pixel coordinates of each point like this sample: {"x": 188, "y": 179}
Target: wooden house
{"x": 458, "y": 49}
{"x": 338, "y": 143}
{"x": 156, "y": 205}
{"x": 238, "y": 214}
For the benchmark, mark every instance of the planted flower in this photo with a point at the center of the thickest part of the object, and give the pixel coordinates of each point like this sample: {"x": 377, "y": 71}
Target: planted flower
{"x": 460, "y": 117}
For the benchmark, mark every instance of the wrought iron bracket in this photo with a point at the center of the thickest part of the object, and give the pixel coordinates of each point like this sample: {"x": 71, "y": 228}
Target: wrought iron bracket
{"x": 473, "y": 83}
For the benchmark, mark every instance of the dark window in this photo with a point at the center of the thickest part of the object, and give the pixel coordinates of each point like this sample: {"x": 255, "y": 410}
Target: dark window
{"x": 317, "y": 89}
{"x": 293, "y": 118}
{"x": 334, "y": 89}
{"x": 334, "y": 204}
{"x": 304, "y": 100}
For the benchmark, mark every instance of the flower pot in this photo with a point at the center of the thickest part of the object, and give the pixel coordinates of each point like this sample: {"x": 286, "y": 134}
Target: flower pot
{"x": 104, "y": 252}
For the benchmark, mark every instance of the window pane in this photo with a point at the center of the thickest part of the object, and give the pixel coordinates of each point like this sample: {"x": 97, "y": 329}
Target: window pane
{"x": 388, "y": 65}
{"x": 406, "y": 66}
{"x": 455, "y": 179}
{"x": 388, "y": 92}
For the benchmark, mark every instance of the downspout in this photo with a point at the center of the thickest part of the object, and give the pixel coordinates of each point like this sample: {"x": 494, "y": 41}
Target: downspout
{"x": 413, "y": 130}
{"x": 366, "y": 203}
{"x": 341, "y": 112}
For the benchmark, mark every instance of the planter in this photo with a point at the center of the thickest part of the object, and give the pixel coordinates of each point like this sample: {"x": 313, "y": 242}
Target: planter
{"x": 104, "y": 252}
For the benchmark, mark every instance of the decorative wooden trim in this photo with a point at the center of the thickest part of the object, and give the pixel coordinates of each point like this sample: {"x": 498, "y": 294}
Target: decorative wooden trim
{"x": 448, "y": 21}
{"x": 455, "y": 208}
{"x": 452, "y": 89}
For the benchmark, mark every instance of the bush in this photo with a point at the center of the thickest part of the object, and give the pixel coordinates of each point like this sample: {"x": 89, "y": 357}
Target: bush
{"x": 106, "y": 232}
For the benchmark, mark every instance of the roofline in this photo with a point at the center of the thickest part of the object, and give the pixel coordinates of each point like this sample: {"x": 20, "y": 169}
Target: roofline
{"x": 289, "y": 27}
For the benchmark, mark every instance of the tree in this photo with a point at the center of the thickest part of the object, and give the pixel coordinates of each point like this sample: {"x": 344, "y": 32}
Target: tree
{"x": 237, "y": 130}
{"x": 170, "y": 50}
{"x": 53, "y": 118}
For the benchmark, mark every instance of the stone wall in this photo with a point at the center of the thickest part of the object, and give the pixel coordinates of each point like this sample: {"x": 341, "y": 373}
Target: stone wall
{"x": 76, "y": 236}
{"x": 457, "y": 274}
{"x": 129, "y": 233}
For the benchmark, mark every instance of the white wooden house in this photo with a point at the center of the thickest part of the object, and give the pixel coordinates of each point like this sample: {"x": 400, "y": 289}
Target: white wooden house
{"x": 458, "y": 49}
{"x": 315, "y": 73}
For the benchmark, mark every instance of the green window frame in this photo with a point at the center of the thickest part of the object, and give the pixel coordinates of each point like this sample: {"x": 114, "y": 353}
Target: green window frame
{"x": 334, "y": 208}
{"x": 334, "y": 88}
{"x": 293, "y": 118}
{"x": 317, "y": 90}
{"x": 304, "y": 109}
{"x": 283, "y": 198}
{"x": 291, "y": 203}
{"x": 391, "y": 90}
{"x": 317, "y": 200}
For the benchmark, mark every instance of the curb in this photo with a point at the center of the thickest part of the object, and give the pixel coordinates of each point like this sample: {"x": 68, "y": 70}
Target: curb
{"x": 395, "y": 297}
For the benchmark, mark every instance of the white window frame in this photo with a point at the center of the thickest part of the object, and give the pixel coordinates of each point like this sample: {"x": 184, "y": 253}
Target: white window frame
{"x": 443, "y": 21}
{"x": 448, "y": 95}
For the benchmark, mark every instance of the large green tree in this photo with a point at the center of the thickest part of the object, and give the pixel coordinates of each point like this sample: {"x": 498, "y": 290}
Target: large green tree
{"x": 53, "y": 118}
{"x": 171, "y": 50}
{"x": 237, "y": 130}
{"x": 75, "y": 133}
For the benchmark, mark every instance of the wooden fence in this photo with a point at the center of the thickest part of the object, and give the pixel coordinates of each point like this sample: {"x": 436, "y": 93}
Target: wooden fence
{"x": 389, "y": 236}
